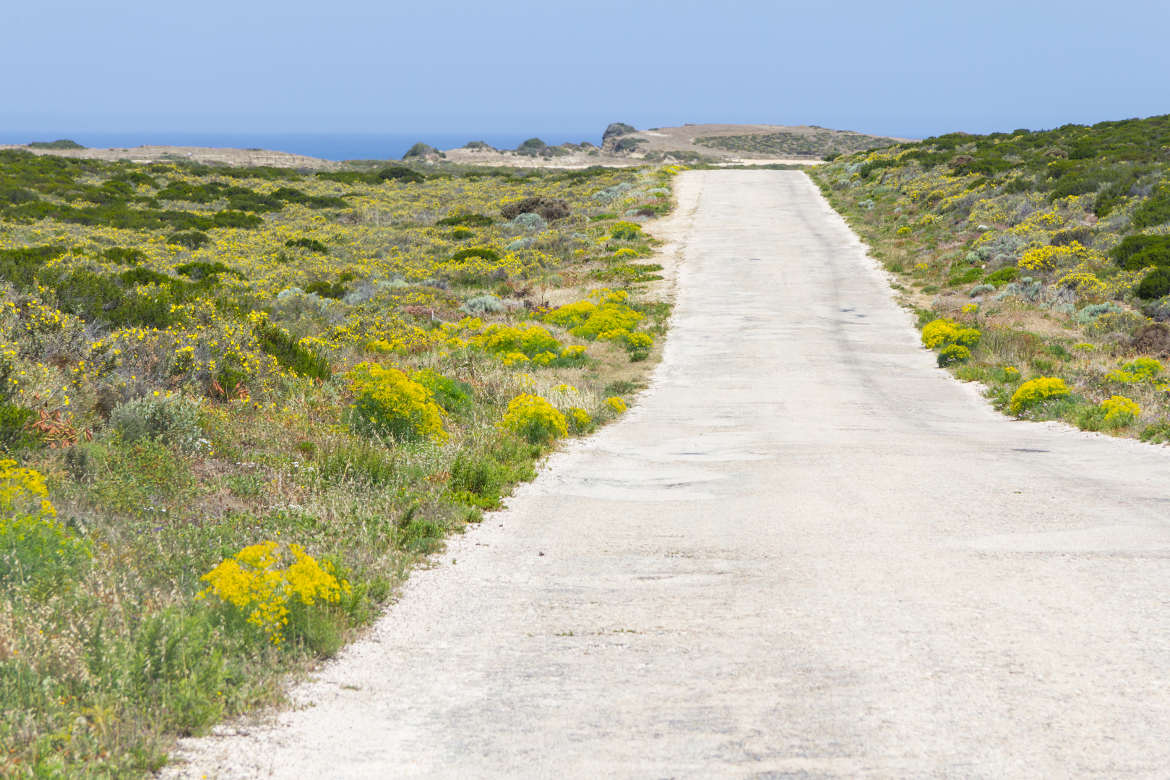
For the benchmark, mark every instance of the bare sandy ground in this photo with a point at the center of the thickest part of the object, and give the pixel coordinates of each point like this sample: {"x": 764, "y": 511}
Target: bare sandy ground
{"x": 806, "y": 552}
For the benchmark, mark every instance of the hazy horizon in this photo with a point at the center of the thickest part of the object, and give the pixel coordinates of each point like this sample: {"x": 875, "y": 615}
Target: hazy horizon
{"x": 525, "y": 68}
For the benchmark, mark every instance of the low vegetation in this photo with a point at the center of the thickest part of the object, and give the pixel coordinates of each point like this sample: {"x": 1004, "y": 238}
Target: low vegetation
{"x": 238, "y": 404}
{"x": 1039, "y": 262}
{"x": 815, "y": 143}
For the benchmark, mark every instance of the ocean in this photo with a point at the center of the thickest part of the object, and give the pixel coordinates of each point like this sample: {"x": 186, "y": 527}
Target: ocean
{"x": 328, "y": 146}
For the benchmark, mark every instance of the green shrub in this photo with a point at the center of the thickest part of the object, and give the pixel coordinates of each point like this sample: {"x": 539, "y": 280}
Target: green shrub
{"x": 465, "y": 220}
{"x": 626, "y": 231}
{"x": 485, "y": 252}
{"x": 1155, "y": 210}
{"x": 36, "y": 550}
{"x": 204, "y": 270}
{"x": 289, "y": 353}
{"x": 533, "y": 147}
{"x": 192, "y": 239}
{"x": 482, "y": 304}
{"x": 119, "y": 254}
{"x": 453, "y": 396}
{"x": 953, "y": 353}
{"x": 1155, "y": 284}
{"x": 481, "y": 478}
{"x": 357, "y": 460}
{"x": 170, "y": 419}
{"x": 1157, "y": 433}
{"x": 15, "y": 431}
{"x": 236, "y": 219}
{"x": 143, "y": 478}
{"x": 60, "y": 143}
{"x": 20, "y": 266}
{"x": 1137, "y": 252}
{"x": 1002, "y": 276}
{"x": 420, "y": 149}
{"x": 333, "y": 290}
{"x": 311, "y": 244}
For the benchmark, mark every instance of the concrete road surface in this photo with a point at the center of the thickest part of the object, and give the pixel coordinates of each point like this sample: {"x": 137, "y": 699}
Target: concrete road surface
{"x": 805, "y": 552}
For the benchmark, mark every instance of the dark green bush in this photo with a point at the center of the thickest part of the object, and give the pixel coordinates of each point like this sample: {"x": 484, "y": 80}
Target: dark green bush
{"x": 192, "y": 239}
{"x": 1002, "y": 276}
{"x": 1137, "y": 252}
{"x": 20, "y": 266}
{"x": 487, "y": 253}
{"x": 465, "y": 220}
{"x": 60, "y": 143}
{"x": 399, "y": 173}
{"x": 1155, "y": 210}
{"x": 291, "y": 355}
{"x": 1156, "y": 284}
{"x": 453, "y": 396}
{"x": 533, "y": 147}
{"x": 203, "y": 270}
{"x": 482, "y": 477}
{"x": 420, "y": 149}
{"x": 137, "y": 276}
{"x": 15, "y": 433}
{"x": 236, "y": 219}
{"x": 312, "y": 244}
{"x": 119, "y": 254}
{"x": 326, "y": 289}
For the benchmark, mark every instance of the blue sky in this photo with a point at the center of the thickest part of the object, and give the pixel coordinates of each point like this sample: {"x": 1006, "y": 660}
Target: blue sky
{"x": 892, "y": 67}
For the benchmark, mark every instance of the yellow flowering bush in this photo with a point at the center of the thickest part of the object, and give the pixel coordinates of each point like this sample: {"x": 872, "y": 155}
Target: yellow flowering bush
{"x": 267, "y": 583}
{"x": 505, "y": 339}
{"x": 942, "y": 332}
{"x": 626, "y": 231}
{"x": 1035, "y": 392}
{"x": 534, "y": 418}
{"x": 1087, "y": 286}
{"x": 615, "y": 404}
{"x": 388, "y": 402}
{"x": 1048, "y": 258}
{"x": 579, "y": 419}
{"x": 608, "y": 317}
{"x": 1139, "y": 370}
{"x": 35, "y": 548}
{"x": 1120, "y": 411}
{"x": 638, "y": 344}
{"x": 571, "y": 314}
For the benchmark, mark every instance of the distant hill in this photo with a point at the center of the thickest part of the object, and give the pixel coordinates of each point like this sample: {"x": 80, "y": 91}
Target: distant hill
{"x": 623, "y": 144}
{"x": 802, "y": 142}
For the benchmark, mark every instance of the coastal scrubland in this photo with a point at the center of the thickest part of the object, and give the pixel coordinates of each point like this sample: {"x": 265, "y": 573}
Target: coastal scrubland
{"x": 1038, "y": 262}
{"x": 237, "y": 405}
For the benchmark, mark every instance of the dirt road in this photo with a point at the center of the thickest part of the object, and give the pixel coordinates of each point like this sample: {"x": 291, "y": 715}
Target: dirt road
{"x": 805, "y": 551}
